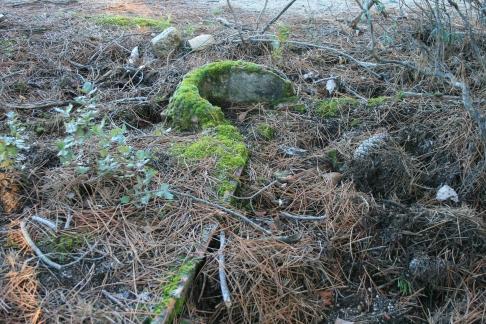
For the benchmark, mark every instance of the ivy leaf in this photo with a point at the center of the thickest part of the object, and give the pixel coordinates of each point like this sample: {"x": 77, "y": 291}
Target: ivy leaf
{"x": 82, "y": 169}
{"x": 163, "y": 192}
{"x": 125, "y": 200}
{"x": 71, "y": 127}
{"x": 64, "y": 112}
{"x": 145, "y": 199}
{"x": 124, "y": 149}
{"x": 87, "y": 87}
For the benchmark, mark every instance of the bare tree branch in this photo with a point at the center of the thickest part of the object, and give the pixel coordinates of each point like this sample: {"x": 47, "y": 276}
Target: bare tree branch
{"x": 240, "y": 30}
{"x": 222, "y": 275}
{"x": 277, "y": 17}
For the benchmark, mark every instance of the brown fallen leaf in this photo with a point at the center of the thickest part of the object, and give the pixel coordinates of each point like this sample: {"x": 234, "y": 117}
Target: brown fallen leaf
{"x": 327, "y": 297}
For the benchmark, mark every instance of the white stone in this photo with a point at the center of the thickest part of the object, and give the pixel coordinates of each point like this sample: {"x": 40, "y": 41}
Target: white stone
{"x": 331, "y": 86}
{"x": 445, "y": 193}
{"x": 134, "y": 57}
{"x": 372, "y": 143}
{"x": 166, "y": 42}
{"x": 201, "y": 42}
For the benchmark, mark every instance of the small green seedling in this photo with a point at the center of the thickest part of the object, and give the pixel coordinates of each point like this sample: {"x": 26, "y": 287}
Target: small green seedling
{"x": 404, "y": 286}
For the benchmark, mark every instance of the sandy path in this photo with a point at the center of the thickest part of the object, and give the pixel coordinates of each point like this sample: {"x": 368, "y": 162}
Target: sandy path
{"x": 300, "y": 6}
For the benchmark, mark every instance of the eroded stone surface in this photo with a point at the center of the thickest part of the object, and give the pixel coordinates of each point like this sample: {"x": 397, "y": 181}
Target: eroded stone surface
{"x": 201, "y": 42}
{"x": 198, "y": 99}
{"x": 166, "y": 42}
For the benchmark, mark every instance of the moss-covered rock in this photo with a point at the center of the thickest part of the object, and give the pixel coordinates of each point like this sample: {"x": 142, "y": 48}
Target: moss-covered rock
{"x": 174, "y": 293}
{"x": 223, "y": 143}
{"x": 198, "y": 99}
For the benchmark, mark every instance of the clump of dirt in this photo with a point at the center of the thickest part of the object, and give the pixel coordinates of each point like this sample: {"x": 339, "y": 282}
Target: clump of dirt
{"x": 385, "y": 172}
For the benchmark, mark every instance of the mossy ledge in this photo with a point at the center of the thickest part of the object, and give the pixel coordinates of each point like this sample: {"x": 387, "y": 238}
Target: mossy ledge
{"x": 225, "y": 144}
{"x": 174, "y": 294}
{"x": 196, "y": 104}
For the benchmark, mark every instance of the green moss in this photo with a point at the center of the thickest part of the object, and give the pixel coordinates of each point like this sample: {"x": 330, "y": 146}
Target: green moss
{"x": 21, "y": 87}
{"x": 332, "y": 156}
{"x": 355, "y": 122}
{"x": 62, "y": 245}
{"x": 329, "y": 108}
{"x": 265, "y": 131}
{"x": 377, "y": 101}
{"x": 126, "y": 21}
{"x": 179, "y": 277}
{"x": 400, "y": 95}
{"x": 300, "y": 108}
{"x": 7, "y": 47}
{"x": 225, "y": 144}
{"x": 189, "y": 110}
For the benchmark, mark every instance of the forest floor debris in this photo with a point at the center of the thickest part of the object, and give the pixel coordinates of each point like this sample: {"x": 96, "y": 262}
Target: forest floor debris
{"x": 340, "y": 188}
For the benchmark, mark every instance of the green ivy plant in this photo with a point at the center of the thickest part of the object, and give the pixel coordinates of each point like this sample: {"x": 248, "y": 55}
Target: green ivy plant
{"x": 12, "y": 143}
{"x": 113, "y": 157}
{"x": 404, "y": 286}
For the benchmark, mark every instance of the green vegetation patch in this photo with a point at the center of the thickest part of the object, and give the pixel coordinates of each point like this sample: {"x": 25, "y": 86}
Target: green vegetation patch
{"x": 265, "y": 131}
{"x": 225, "y": 144}
{"x": 377, "y": 101}
{"x": 299, "y": 107}
{"x": 135, "y": 21}
{"x": 7, "y": 47}
{"x": 63, "y": 245}
{"x": 329, "y": 108}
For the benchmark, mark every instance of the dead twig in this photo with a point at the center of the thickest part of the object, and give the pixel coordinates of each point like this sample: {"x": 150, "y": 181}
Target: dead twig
{"x": 40, "y": 105}
{"x": 257, "y": 193}
{"x": 240, "y": 29}
{"x": 261, "y": 14}
{"x": 228, "y": 211}
{"x": 222, "y": 275}
{"x": 365, "y": 65}
{"x": 36, "y": 250}
{"x": 114, "y": 299}
{"x": 45, "y": 222}
{"x": 302, "y": 217}
{"x": 68, "y": 220}
{"x": 43, "y": 257}
{"x": 277, "y": 17}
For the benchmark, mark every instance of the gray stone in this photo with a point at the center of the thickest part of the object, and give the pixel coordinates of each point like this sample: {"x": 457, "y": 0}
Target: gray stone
{"x": 201, "y": 42}
{"x": 166, "y": 42}
{"x": 237, "y": 86}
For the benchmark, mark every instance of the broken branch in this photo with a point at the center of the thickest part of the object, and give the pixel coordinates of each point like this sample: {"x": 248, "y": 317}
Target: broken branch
{"x": 277, "y": 17}
{"x": 302, "y": 217}
{"x": 36, "y": 250}
{"x": 228, "y": 211}
{"x": 222, "y": 275}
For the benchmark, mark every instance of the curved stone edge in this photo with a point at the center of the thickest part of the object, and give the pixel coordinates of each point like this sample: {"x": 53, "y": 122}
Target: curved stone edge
{"x": 188, "y": 110}
{"x": 176, "y": 290}
{"x": 221, "y": 141}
